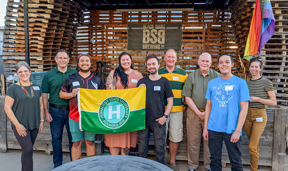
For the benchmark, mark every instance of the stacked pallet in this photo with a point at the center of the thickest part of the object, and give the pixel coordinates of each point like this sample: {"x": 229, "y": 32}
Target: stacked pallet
{"x": 52, "y": 25}
{"x": 61, "y": 31}
{"x": 241, "y": 15}
{"x": 14, "y": 39}
{"x": 108, "y": 30}
{"x": 274, "y": 53}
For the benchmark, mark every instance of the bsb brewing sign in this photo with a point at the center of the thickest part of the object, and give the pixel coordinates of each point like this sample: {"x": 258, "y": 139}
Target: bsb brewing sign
{"x": 154, "y": 36}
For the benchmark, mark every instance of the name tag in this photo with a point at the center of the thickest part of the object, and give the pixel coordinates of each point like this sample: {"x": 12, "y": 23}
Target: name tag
{"x": 75, "y": 83}
{"x": 157, "y": 88}
{"x": 36, "y": 88}
{"x": 134, "y": 81}
{"x": 229, "y": 88}
{"x": 176, "y": 78}
{"x": 260, "y": 119}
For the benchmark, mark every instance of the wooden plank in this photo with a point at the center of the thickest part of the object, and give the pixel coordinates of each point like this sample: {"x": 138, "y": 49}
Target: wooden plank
{"x": 3, "y": 131}
{"x": 280, "y": 140}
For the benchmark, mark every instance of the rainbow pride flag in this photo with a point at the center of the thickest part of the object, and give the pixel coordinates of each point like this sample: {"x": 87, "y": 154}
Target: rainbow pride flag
{"x": 253, "y": 39}
{"x": 112, "y": 111}
{"x": 261, "y": 29}
{"x": 268, "y": 24}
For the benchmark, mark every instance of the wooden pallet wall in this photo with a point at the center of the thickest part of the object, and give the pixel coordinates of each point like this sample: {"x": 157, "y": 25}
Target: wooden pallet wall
{"x": 52, "y": 25}
{"x": 202, "y": 31}
{"x": 274, "y": 53}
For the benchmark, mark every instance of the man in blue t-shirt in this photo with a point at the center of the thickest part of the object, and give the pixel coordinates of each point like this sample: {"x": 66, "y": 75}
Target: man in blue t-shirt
{"x": 227, "y": 105}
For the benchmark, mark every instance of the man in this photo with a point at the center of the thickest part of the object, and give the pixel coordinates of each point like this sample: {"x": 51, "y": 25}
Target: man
{"x": 194, "y": 91}
{"x": 57, "y": 111}
{"x": 226, "y": 109}
{"x": 83, "y": 79}
{"x": 177, "y": 78}
{"x": 157, "y": 91}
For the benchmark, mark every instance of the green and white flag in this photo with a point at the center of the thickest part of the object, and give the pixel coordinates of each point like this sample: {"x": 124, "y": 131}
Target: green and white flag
{"x": 112, "y": 111}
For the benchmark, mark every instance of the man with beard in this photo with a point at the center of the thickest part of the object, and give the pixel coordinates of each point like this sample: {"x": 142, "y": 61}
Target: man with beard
{"x": 158, "y": 90}
{"x": 226, "y": 109}
{"x": 83, "y": 79}
{"x": 57, "y": 110}
{"x": 194, "y": 91}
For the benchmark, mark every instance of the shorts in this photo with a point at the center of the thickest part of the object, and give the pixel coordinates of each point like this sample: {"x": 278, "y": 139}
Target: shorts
{"x": 78, "y": 135}
{"x": 175, "y": 126}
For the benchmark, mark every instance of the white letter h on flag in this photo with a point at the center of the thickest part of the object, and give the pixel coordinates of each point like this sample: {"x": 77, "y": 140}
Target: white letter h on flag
{"x": 114, "y": 112}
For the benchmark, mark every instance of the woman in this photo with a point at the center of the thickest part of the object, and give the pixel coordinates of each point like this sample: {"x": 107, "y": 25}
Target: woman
{"x": 122, "y": 77}
{"x": 23, "y": 106}
{"x": 261, "y": 94}
{"x": 83, "y": 79}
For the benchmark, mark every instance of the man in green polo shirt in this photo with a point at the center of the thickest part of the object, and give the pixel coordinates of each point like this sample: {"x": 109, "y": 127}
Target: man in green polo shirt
{"x": 194, "y": 91}
{"x": 177, "y": 78}
{"x": 56, "y": 112}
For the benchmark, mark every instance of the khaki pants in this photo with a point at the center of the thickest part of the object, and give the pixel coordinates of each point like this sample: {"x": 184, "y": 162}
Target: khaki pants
{"x": 194, "y": 134}
{"x": 254, "y": 129}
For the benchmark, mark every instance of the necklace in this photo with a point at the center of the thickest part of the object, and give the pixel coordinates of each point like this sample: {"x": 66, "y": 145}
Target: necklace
{"x": 31, "y": 89}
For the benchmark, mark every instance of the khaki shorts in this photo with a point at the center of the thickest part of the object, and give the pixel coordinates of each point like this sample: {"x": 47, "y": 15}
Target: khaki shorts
{"x": 175, "y": 126}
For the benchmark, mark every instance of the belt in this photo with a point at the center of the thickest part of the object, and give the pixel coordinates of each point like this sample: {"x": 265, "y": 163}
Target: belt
{"x": 59, "y": 107}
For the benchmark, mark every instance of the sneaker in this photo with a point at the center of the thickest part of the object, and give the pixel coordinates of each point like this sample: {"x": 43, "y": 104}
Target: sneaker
{"x": 192, "y": 170}
{"x": 173, "y": 166}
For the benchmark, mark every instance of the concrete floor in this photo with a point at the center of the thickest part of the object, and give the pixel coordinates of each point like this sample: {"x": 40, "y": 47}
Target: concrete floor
{"x": 11, "y": 161}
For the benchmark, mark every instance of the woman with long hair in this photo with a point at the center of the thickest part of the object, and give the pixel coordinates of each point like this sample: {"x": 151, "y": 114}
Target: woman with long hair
{"x": 23, "y": 106}
{"x": 261, "y": 94}
{"x": 121, "y": 78}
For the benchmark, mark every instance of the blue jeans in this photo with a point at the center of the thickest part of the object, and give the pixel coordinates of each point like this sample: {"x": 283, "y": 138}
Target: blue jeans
{"x": 60, "y": 118}
{"x": 159, "y": 140}
{"x": 215, "y": 147}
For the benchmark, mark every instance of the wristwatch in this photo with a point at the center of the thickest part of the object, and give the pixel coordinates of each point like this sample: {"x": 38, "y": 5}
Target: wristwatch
{"x": 166, "y": 116}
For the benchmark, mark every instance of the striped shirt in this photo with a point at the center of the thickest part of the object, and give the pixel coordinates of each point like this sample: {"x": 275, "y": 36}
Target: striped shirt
{"x": 176, "y": 79}
{"x": 259, "y": 88}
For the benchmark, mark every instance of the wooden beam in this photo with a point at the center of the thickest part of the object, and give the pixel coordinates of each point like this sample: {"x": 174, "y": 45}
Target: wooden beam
{"x": 279, "y": 144}
{"x": 3, "y": 126}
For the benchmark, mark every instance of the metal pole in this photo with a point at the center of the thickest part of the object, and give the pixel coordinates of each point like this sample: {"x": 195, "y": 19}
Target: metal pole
{"x": 26, "y": 29}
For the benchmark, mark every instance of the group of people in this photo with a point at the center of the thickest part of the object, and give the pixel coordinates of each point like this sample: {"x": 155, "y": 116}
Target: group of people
{"x": 217, "y": 105}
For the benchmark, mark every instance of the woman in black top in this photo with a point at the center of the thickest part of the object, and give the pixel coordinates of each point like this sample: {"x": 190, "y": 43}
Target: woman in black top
{"x": 23, "y": 107}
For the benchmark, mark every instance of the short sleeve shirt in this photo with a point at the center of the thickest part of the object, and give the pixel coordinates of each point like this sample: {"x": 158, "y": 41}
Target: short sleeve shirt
{"x": 76, "y": 81}
{"x": 51, "y": 84}
{"x": 196, "y": 85}
{"x": 259, "y": 88}
{"x": 225, "y": 96}
{"x": 156, "y": 93}
{"x": 25, "y": 109}
{"x": 176, "y": 79}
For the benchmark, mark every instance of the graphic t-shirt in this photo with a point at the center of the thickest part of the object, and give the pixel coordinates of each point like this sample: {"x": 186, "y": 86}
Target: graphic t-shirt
{"x": 76, "y": 81}
{"x": 157, "y": 93}
{"x": 225, "y": 96}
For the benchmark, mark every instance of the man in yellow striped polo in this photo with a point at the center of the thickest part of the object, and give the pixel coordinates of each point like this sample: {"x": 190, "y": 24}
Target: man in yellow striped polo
{"x": 177, "y": 78}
